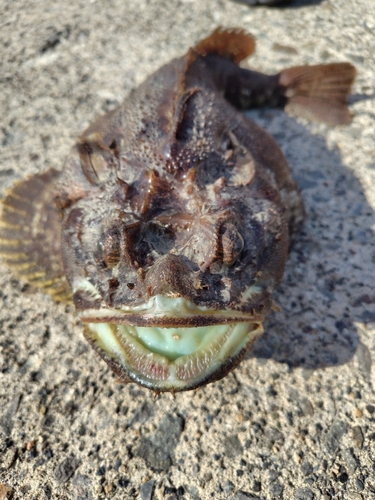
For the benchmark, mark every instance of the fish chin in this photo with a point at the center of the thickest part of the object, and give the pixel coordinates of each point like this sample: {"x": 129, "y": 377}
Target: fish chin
{"x": 173, "y": 359}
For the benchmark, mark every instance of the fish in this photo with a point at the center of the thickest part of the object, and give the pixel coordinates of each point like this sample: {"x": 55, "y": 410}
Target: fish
{"x": 169, "y": 225}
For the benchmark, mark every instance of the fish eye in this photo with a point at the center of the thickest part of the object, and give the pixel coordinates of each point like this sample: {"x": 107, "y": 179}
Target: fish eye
{"x": 94, "y": 161}
{"x": 232, "y": 243}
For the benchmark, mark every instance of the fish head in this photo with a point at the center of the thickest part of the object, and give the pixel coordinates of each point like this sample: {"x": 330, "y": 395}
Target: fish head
{"x": 174, "y": 246}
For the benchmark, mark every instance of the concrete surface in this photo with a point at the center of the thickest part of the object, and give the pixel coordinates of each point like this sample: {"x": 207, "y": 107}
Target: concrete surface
{"x": 296, "y": 419}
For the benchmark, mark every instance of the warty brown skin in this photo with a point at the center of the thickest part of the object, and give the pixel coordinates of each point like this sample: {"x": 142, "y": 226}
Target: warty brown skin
{"x": 167, "y": 186}
{"x": 176, "y": 194}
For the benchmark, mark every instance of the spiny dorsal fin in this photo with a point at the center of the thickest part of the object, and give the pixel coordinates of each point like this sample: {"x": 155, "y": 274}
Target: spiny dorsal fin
{"x": 234, "y": 43}
{"x": 30, "y": 241}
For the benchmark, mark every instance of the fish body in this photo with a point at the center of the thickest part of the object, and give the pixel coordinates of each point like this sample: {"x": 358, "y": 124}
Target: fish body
{"x": 170, "y": 222}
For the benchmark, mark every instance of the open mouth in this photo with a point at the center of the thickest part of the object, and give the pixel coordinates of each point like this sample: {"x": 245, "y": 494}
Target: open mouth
{"x": 175, "y": 357}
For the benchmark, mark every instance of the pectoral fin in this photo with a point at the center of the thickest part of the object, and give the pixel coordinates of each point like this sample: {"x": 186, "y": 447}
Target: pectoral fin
{"x": 30, "y": 241}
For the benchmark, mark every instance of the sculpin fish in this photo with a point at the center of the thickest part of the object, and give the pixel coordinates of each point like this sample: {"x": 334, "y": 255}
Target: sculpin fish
{"x": 170, "y": 222}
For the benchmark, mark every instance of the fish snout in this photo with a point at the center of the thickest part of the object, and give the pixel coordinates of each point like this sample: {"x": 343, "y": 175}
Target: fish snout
{"x": 171, "y": 277}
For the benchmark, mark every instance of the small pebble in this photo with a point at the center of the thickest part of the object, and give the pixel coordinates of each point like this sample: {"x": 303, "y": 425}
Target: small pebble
{"x": 30, "y": 445}
{"x": 357, "y": 436}
{"x": 66, "y": 469}
{"x": 306, "y": 469}
{"x": 123, "y": 483}
{"x": 343, "y": 478}
{"x": 147, "y": 490}
{"x": 304, "y": 494}
{"x": 9, "y": 459}
{"x": 228, "y": 486}
{"x": 359, "y": 485}
{"x": 169, "y": 490}
{"x": 109, "y": 488}
{"x": 232, "y": 446}
{"x": 195, "y": 469}
{"x": 276, "y": 489}
{"x": 336, "y": 469}
{"x": 117, "y": 465}
{"x": 257, "y": 486}
{"x": 100, "y": 471}
{"x": 358, "y": 413}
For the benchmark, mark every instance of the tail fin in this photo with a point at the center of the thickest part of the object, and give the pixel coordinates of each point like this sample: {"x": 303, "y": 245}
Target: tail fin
{"x": 235, "y": 44}
{"x": 319, "y": 92}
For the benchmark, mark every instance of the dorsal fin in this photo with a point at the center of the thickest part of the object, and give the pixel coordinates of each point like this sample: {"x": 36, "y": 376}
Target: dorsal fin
{"x": 234, "y": 43}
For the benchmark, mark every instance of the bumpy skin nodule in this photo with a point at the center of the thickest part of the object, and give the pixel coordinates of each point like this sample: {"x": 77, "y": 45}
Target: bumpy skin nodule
{"x": 175, "y": 200}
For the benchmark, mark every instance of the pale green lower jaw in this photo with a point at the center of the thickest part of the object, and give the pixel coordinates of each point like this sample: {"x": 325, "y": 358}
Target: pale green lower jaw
{"x": 172, "y": 358}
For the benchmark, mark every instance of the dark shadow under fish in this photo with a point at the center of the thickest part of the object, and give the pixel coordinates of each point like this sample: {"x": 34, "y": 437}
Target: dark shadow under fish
{"x": 170, "y": 223}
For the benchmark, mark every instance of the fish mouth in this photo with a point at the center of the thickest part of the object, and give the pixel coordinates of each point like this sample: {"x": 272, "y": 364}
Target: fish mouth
{"x": 163, "y": 351}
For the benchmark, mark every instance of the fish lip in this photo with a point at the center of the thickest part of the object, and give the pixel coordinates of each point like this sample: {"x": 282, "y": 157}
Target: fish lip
{"x": 92, "y": 316}
{"x": 163, "y": 311}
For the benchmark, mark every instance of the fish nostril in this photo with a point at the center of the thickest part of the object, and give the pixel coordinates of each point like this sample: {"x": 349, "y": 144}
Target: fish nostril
{"x": 232, "y": 243}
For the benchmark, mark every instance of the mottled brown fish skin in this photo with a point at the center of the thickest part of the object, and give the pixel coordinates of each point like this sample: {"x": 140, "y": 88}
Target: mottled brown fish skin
{"x": 161, "y": 183}
{"x": 174, "y": 194}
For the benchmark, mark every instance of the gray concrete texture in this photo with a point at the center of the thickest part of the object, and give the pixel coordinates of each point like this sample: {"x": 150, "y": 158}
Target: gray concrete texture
{"x": 296, "y": 419}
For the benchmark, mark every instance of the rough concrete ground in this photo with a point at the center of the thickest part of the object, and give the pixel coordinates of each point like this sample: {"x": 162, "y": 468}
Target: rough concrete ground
{"x": 296, "y": 419}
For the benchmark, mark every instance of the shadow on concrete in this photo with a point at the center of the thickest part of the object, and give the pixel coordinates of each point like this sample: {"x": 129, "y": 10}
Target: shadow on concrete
{"x": 320, "y": 296}
{"x": 360, "y": 97}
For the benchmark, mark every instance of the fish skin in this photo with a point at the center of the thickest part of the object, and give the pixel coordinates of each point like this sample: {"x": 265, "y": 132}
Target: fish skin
{"x": 172, "y": 137}
{"x": 175, "y": 193}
